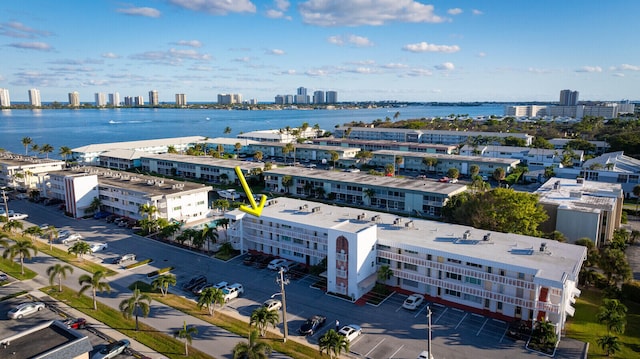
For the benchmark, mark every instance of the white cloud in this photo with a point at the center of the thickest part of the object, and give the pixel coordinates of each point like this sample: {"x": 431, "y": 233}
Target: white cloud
{"x": 426, "y": 47}
{"x": 481, "y": 54}
{"x": 589, "y": 69}
{"x": 538, "y": 71}
{"x": 336, "y": 40}
{"x": 476, "y": 12}
{"x": 242, "y": 59}
{"x": 445, "y": 66}
{"x": 282, "y": 4}
{"x": 354, "y": 40}
{"x": 316, "y": 73}
{"x": 362, "y": 70}
{"x": 371, "y": 12}
{"x": 217, "y": 7}
{"x": 274, "y": 14}
{"x": 41, "y": 46}
{"x": 191, "y": 43}
{"x": 140, "y": 11}
{"x": 618, "y": 74}
{"x": 19, "y": 30}
{"x": 276, "y": 52}
{"x": 625, "y": 67}
{"x": 395, "y": 66}
{"x": 171, "y": 57}
{"x": 110, "y": 55}
{"x": 419, "y": 72}
{"x": 454, "y": 11}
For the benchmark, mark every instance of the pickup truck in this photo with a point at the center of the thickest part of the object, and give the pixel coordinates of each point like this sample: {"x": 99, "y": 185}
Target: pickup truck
{"x": 232, "y": 291}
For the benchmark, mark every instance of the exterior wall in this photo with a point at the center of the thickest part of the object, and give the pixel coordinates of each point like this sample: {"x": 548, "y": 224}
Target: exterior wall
{"x": 352, "y": 257}
{"x": 79, "y": 193}
{"x": 576, "y": 224}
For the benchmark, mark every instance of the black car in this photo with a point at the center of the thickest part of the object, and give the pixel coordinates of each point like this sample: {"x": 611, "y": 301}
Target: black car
{"x": 312, "y": 324}
{"x": 249, "y": 260}
{"x": 194, "y": 282}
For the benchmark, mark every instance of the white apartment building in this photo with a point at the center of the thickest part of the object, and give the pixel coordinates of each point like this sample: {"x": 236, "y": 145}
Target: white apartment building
{"x": 34, "y": 98}
{"x": 581, "y": 209}
{"x": 5, "y": 100}
{"x": 114, "y": 99}
{"x": 153, "y": 98}
{"x": 561, "y": 143}
{"x": 279, "y": 135}
{"x": 139, "y": 101}
{"x": 304, "y": 152}
{"x": 534, "y": 158}
{"x": 74, "y": 99}
{"x": 101, "y": 99}
{"x": 229, "y": 99}
{"x": 502, "y": 275}
{"x": 332, "y": 97}
{"x": 181, "y": 99}
{"x": 123, "y": 193}
{"x": 373, "y": 145}
{"x": 26, "y": 172}
{"x": 525, "y": 111}
{"x": 318, "y": 97}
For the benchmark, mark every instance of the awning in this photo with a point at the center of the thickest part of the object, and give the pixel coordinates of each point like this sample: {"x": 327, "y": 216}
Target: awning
{"x": 570, "y": 310}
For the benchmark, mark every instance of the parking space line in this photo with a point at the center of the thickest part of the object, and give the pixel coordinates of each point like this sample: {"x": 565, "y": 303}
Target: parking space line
{"x": 477, "y": 315}
{"x": 436, "y": 321}
{"x": 420, "y": 311}
{"x": 460, "y": 322}
{"x": 503, "y": 334}
{"x": 483, "y": 324}
{"x": 438, "y": 305}
{"x": 396, "y": 352}
{"x": 499, "y": 321}
{"x": 458, "y": 310}
{"x": 374, "y": 348}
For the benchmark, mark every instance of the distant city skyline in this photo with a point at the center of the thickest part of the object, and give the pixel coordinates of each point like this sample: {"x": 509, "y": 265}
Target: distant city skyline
{"x": 401, "y": 50}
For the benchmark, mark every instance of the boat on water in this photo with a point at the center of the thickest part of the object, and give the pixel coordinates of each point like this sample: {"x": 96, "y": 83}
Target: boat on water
{"x": 229, "y": 194}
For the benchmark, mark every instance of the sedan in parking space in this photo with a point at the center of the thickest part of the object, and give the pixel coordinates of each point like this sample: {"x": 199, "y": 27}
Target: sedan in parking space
{"x": 272, "y": 304}
{"x": 413, "y": 301}
{"x": 194, "y": 281}
{"x": 25, "y": 309}
{"x": 74, "y": 237}
{"x": 201, "y": 289}
{"x": 350, "y": 332}
{"x": 276, "y": 263}
{"x": 3, "y": 277}
{"x": 112, "y": 350}
{"x": 97, "y": 247}
{"x": 312, "y": 324}
{"x": 221, "y": 285}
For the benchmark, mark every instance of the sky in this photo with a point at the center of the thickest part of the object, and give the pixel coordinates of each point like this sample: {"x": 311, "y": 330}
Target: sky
{"x": 366, "y": 50}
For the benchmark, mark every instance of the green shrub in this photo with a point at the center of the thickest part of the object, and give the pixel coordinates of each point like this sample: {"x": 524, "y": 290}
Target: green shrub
{"x": 159, "y": 271}
{"x": 600, "y": 281}
{"x": 631, "y": 291}
{"x": 138, "y": 264}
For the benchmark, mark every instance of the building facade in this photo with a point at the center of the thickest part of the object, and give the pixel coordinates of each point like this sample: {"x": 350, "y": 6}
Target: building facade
{"x": 74, "y": 99}
{"x": 318, "y": 97}
{"x": 229, "y": 99}
{"x": 34, "y": 98}
{"x": 5, "y": 100}
{"x": 332, "y": 97}
{"x": 181, "y": 99}
{"x": 568, "y": 98}
{"x": 502, "y": 275}
{"x": 101, "y": 99}
{"x": 153, "y": 98}
{"x": 373, "y": 145}
{"x": 25, "y": 172}
{"x": 114, "y": 99}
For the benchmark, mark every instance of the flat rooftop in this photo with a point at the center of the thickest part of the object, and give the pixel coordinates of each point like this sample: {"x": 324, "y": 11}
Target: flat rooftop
{"x": 205, "y": 161}
{"x": 514, "y": 250}
{"x": 442, "y": 156}
{"x": 133, "y": 145}
{"x": 13, "y": 159}
{"x": 51, "y": 340}
{"x": 154, "y": 186}
{"x": 365, "y": 179}
{"x": 588, "y": 195}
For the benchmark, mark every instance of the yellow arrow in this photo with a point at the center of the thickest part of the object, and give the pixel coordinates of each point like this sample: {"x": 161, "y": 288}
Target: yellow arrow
{"x": 254, "y": 210}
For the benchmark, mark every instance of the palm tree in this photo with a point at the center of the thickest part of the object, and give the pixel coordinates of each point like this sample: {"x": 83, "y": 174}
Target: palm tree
{"x": 209, "y": 298}
{"x": 94, "y": 206}
{"x": 258, "y": 156}
{"x": 46, "y": 149}
{"x": 398, "y": 160}
{"x": 21, "y": 249}
{"x": 253, "y": 349}
{"x": 334, "y": 157}
{"x": 136, "y": 303}
{"x": 172, "y": 149}
{"x": 613, "y": 314}
{"x": 430, "y": 162}
{"x": 227, "y": 130}
{"x": 262, "y": 317}
{"x": 35, "y": 148}
{"x": 544, "y": 334}
{"x": 149, "y": 211}
{"x": 289, "y": 147}
{"x": 333, "y": 343}
{"x": 80, "y": 248}
{"x": 609, "y": 343}
{"x": 64, "y": 152}
{"x": 186, "y": 333}
{"x": 287, "y": 181}
{"x": 163, "y": 282}
{"x": 209, "y": 234}
{"x": 26, "y": 141}
{"x": 33, "y": 231}
{"x": 12, "y": 225}
{"x": 385, "y": 273}
{"x": 237, "y": 147}
{"x": 94, "y": 283}
{"x": 60, "y": 271}
{"x": 52, "y": 233}
{"x": 499, "y": 175}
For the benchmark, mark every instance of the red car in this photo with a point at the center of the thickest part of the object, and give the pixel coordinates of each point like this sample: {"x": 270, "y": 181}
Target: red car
{"x": 77, "y": 323}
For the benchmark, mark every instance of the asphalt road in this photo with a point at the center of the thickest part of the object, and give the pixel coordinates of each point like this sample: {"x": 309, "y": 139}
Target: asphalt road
{"x": 388, "y": 330}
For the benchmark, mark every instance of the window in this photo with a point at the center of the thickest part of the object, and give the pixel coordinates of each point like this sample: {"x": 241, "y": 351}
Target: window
{"x": 453, "y": 293}
{"x": 451, "y": 260}
{"x": 521, "y": 276}
{"x": 410, "y": 283}
{"x": 472, "y": 298}
{"x": 385, "y": 261}
{"x": 410, "y": 251}
{"x": 429, "y": 257}
{"x": 470, "y": 264}
{"x": 472, "y": 280}
{"x": 412, "y": 267}
{"x": 454, "y": 276}
{"x": 499, "y": 305}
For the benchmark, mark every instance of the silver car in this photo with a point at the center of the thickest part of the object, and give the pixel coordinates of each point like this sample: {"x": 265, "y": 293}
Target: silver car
{"x": 25, "y": 309}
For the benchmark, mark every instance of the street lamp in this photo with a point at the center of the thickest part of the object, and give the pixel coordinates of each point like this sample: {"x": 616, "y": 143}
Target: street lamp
{"x": 429, "y": 332}
{"x": 282, "y": 281}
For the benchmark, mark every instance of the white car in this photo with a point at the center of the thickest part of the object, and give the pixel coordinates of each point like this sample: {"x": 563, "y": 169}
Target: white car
{"x": 350, "y": 332}
{"x": 425, "y": 355}
{"x": 272, "y": 304}
{"x": 221, "y": 285}
{"x": 97, "y": 247}
{"x": 25, "y": 309}
{"x": 16, "y": 216}
{"x": 276, "y": 263}
{"x": 112, "y": 350}
{"x": 413, "y": 301}
{"x": 74, "y": 237}
{"x": 233, "y": 291}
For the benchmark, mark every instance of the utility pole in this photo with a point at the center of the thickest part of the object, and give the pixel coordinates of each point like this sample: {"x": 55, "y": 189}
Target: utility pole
{"x": 6, "y": 204}
{"x": 429, "y": 331}
{"x": 282, "y": 282}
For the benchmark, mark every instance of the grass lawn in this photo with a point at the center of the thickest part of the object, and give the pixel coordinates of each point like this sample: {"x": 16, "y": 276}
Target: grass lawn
{"x": 64, "y": 256}
{"x": 585, "y": 327}
{"x": 12, "y": 269}
{"x": 291, "y": 348}
{"x": 163, "y": 343}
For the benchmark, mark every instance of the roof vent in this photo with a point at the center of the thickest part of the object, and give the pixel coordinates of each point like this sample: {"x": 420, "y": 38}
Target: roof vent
{"x": 466, "y": 234}
{"x": 486, "y": 237}
{"x": 543, "y": 247}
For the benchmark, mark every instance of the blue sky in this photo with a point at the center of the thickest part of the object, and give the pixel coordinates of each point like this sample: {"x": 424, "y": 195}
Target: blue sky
{"x": 405, "y": 50}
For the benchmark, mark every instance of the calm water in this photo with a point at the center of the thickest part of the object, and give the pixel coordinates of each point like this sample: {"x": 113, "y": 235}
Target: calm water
{"x": 75, "y": 128}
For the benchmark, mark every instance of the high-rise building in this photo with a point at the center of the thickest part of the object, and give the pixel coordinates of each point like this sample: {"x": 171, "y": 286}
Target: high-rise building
{"x": 568, "y": 98}
{"x": 332, "y": 97}
{"x": 229, "y": 98}
{"x": 279, "y": 100}
{"x": 5, "y": 101}
{"x": 101, "y": 99}
{"x": 114, "y": 99}
{"x": 128, "y": 101}
{"x": 74, "y": 99}
{"x": 153, "y": 98}
{"x": 181, "y": 99}
{"x": 318, "y": 97}
{"x": 139, "y": 101}
{"x": 301, "y": 96}
{"x": 34, "y": 98}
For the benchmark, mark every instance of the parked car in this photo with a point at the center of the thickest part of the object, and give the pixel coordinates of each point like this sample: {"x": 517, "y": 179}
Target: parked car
{"x": 221, "y": 285}
{"x": 264, "y": 261}
{"x": 16, "y": 216}
{"x": 25, "y": 309}
{"x": 3, "y": 277}
{"x": 112, "y": 350}
{"x": 249, "y": 260}
{"x": 425, "y": 355}
{"x": 350, "y": 332}
{"x": 444, "y": 179}
{"x": 74, "y": 237}
{"x": 97, "y": 247}
{"x": 194, "y": 281}
{"x": 126, "y": 258}
{"x": 200, "y": 289}
{"x": 62, "y": 234}
{"x": 276, "y": 263}
{"x": 233, "y": 291}
{"x": 75, "y": 323}
{"x": 413, "y": 301}
{"x": 272, "y": 304}
{"x": 312, "y": 324}
{"x": 453, "y": 180}
{"x": 100, "y": 215}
